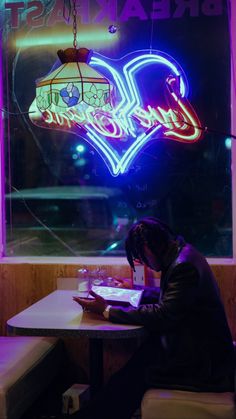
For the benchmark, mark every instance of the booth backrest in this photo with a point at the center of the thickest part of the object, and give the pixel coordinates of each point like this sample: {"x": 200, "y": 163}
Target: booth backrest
{"x": 27, "y": 365}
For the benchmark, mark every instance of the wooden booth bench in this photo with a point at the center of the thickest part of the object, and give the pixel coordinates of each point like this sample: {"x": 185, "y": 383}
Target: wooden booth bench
{"x": 27, "y": 365}
{"x": 178, "y": 404}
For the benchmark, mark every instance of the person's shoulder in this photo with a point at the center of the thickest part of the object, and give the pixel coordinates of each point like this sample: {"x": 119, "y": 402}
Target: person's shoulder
{"x": 189, "y": 256}
{"x": 189, "y": 253}
{"x": 185, "y": 254}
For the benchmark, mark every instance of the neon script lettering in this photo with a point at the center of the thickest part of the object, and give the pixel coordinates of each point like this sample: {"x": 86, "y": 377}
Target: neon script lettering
{"x": 180, "y": 123}
{"x": 136, "y": 114}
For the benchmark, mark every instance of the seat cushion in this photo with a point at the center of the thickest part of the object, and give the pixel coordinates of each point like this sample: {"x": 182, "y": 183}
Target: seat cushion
{"x": 176, "y": 404}
{"x": 26, "y": 366}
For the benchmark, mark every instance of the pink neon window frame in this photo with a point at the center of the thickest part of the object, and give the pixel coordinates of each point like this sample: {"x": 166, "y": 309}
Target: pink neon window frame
{"x": 2, "y": 203}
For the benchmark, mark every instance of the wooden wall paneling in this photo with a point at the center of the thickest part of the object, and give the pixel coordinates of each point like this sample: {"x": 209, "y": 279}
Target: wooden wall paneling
{"x": 23, "y": 284}
{"x": 226, "y": 279}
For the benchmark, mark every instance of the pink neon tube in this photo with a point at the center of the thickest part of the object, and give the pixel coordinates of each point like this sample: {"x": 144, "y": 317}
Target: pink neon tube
{"x": 2, "y": 207}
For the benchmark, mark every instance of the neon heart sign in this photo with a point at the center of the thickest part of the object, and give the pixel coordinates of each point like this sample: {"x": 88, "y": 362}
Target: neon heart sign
{"x": 121, "y": 127}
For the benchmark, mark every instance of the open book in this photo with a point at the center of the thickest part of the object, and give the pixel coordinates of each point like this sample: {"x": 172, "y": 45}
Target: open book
{"x": 118, "y": 296}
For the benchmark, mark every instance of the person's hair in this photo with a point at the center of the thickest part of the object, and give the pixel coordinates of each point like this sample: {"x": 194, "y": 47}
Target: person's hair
{"x": 148, "y": 231}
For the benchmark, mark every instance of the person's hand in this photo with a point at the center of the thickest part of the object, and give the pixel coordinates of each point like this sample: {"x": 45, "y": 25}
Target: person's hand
{"x": 122, "y": 283}
{"x": 97, "y": 305}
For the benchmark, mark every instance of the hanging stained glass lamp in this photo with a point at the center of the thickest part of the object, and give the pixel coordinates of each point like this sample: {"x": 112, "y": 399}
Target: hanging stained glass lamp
{"x": 75, "y": 83}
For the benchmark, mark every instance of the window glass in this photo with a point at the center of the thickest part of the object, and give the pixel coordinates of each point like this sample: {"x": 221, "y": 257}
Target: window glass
{"x": 61, "y": 195}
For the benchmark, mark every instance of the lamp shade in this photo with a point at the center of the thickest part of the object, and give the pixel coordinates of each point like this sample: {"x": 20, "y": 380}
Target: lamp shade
{"x": 73, "y": 83}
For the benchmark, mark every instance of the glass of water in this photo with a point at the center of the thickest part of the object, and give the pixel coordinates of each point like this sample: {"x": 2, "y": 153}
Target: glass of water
{"x": 84, "y": 284}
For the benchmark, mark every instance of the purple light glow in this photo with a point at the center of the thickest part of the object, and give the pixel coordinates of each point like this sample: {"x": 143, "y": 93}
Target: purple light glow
{"x": 128, "y": 118}
{"x": 2, "y": 207}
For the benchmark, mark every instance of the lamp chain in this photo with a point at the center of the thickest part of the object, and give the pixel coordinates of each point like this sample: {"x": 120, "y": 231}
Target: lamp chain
{"x": 74, "y": 14}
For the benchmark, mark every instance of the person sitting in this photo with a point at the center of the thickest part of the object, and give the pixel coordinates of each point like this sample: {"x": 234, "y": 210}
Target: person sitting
{"x": 188, "y": 344}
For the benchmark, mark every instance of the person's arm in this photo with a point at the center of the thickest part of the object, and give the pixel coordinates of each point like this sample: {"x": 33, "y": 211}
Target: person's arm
{"x": 150, "y": 295}
{"x": 177, "y": 300}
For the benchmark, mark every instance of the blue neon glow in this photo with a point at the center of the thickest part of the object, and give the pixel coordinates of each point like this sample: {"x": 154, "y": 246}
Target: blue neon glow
{"x": 117, "y": 132}
{"x": 131, "y": 153}
{"x": 130, "y": 69}
{"x": 228, "y": 143}
{"x": 80, "y": 148}
{"x": 120, "y": 83}
{"x": 120, "y": 165}
{"x": 112, "y": 246}
{"x": 112, "y": 160}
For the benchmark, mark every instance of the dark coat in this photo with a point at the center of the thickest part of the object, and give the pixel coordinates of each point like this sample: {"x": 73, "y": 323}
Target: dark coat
{"x": 188, "y": 326}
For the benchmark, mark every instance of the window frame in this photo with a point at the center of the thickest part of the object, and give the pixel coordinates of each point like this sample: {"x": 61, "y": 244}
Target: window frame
{"x": 232, "y": 28}
{"x": 232, "y": 17}
{"x": 2, "y": 171}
